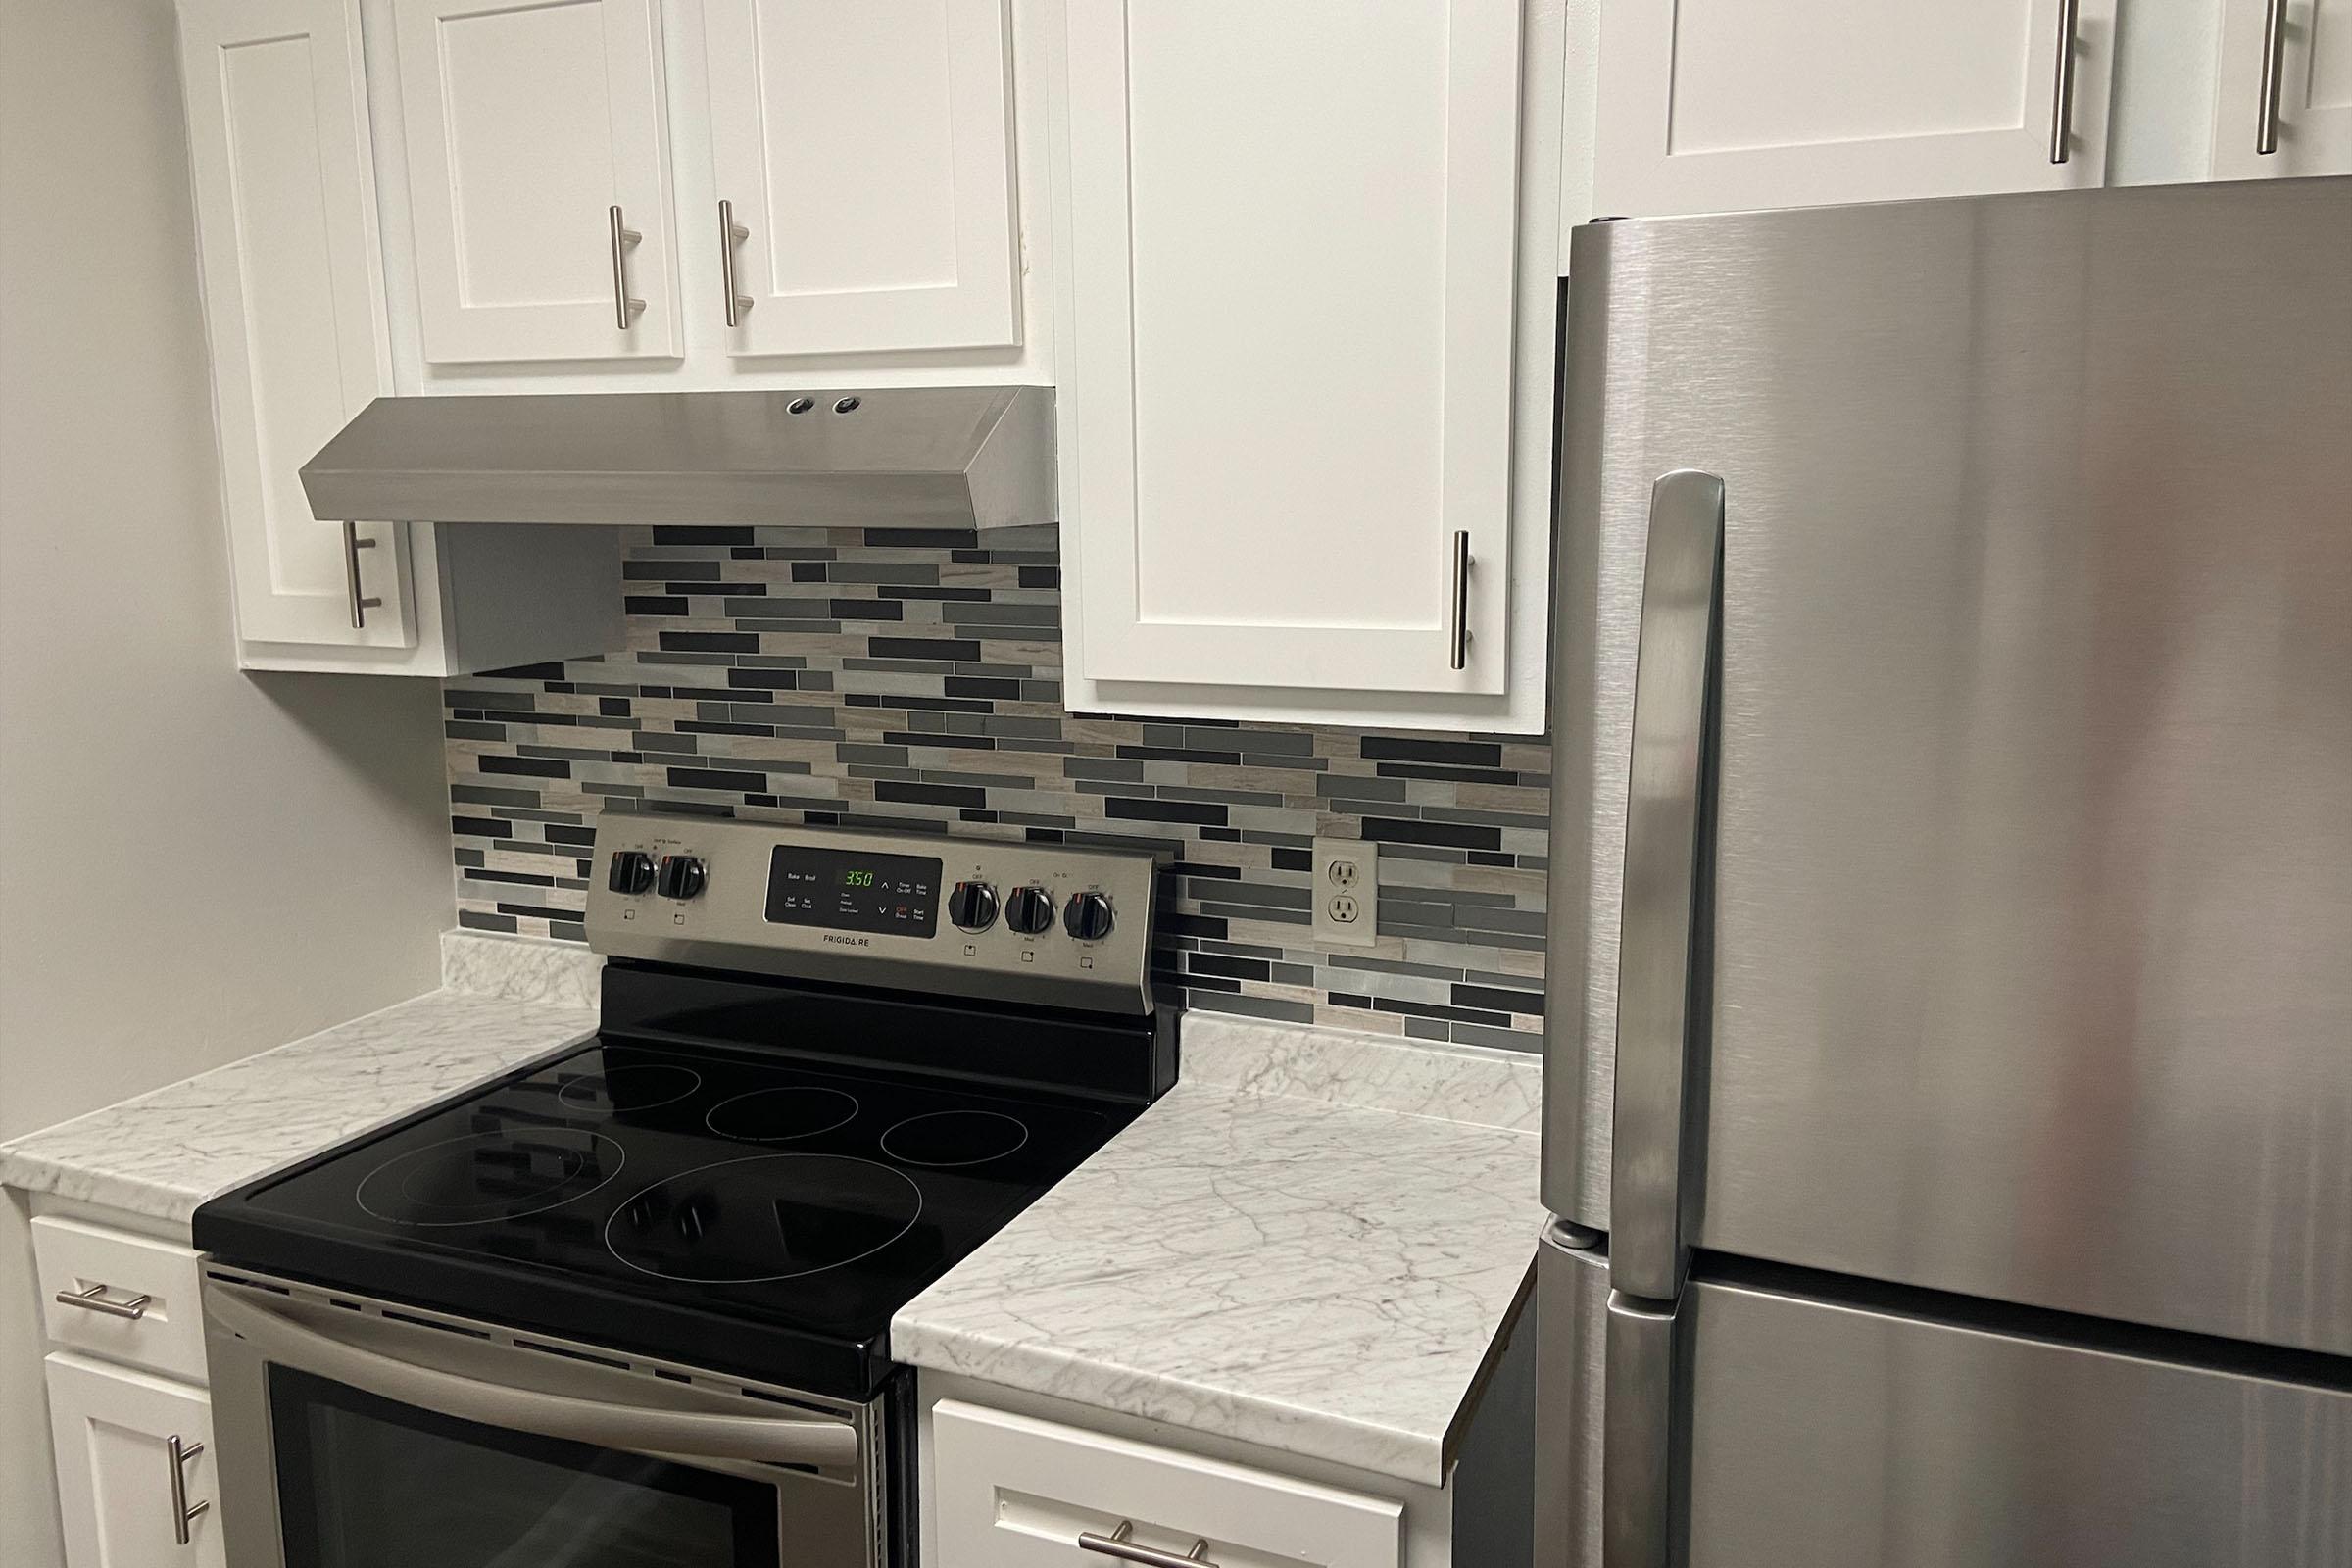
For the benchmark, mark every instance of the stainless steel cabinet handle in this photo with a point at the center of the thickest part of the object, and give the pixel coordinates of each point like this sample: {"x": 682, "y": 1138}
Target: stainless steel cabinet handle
{"x": 731, "y": 235}
{"x": 624, "y": 306}
{"x": 1664, "y": 922}
{"x": 2062, "y": 92}
{"x": 353, "y": 544}
{"x": 1116, "y": 1544}
{"x": 183, "y": 1513}
{"x": 2273, "y": 72}
{"x": 1460, "y": 636}
{"x": 94, "y": 1300}
{"x": 694, "y": 1434}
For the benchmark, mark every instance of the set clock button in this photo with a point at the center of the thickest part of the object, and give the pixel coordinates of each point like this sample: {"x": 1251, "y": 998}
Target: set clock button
{"x": 972, "y": 906}
{"x": 1029, "y": 911}
{"x": 681, "y": 876}
{"x": 632, "y": 872}
{"x": 1087, "y": 917}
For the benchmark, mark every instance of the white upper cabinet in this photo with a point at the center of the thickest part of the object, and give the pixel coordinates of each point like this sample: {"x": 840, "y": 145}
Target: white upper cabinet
{"x": 538, "y": 163}
{"x": 2283, "y": 103}
{"x": 864, "y": 155}
{"x": 1291, "y": 300}
{"x": 293, "y": 294}
{"x": 1723, "y": 105}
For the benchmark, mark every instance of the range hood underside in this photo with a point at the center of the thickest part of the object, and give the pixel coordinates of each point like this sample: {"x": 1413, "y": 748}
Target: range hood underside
{"x": 948, "y": 458}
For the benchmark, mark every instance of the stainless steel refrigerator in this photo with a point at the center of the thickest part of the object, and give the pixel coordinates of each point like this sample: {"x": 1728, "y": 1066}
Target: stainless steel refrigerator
{"x": 1949, "y": 1112}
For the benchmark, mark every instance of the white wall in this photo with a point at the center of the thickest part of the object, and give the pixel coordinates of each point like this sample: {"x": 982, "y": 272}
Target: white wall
{"x": 194, "y": 864}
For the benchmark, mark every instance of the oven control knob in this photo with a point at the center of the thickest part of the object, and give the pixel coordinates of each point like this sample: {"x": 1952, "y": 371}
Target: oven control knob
{"x": 1029, "y": 911}
{"x": 632, "y": 872}
{"x": 972, "y": 906}
{"x": 681, "y": 876}
{"x": 1087, "y": 917}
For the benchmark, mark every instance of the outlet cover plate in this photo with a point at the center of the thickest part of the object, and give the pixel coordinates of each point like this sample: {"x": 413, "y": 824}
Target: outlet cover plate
{"x": 1347, "y": 898}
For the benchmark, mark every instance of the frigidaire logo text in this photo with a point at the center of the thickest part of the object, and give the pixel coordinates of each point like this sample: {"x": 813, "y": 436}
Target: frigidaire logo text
{"x": 847, "y": 942}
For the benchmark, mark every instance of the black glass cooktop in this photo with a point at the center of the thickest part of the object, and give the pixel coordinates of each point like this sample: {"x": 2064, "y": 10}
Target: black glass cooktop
{"x": 766, "y": 1213}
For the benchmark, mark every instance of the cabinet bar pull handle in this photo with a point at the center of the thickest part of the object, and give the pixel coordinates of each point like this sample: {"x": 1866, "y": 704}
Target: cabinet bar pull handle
{"x": 353, "y": 544}
{"x": 183, "y": 1513}
{"x": 1116, "y": 1544}
{"x": 1460, "y": 636}
{"x": 94, "y": 1300}
{"x": 624, "y": 306}
{"x": 2274, "y": 70}
{"x": 2062, "y": 93}
{"x": 731, "y": 235}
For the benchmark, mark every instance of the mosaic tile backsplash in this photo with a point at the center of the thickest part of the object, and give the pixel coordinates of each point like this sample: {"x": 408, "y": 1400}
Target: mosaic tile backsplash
{"x": 912, "y": 680}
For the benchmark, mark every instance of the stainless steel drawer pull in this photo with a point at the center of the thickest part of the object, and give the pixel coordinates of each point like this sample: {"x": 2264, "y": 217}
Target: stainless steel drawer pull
{"x": 2062, "y": 91}
{"x": 1118, "y": 1544}
{"x": 624, "y": 305}
{"x": 1460, "y": 656}
{"x": 94, "y": 1300}
{"x": 183, "y": 1513}
{"x": 361, "y": 604}
{"x": 731, "y": 235}
{"x": 2273, "y": 72}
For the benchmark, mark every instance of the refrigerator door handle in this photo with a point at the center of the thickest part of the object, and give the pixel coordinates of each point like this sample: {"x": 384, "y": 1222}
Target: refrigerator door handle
{"x": 1663, "y": 950}
{"x": 1638, "y": 1507}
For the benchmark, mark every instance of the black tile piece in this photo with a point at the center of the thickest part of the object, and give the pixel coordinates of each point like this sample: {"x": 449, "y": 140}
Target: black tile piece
{"x": 711, "y": 641}
{"x": 978, "y": 686}
{"x": 1293, "y": 859}
{"x": 654, "y": 604}
{"x": 929, "y": 794}
{"x": 525, "y": 672}
{"x": 947, "y": 647}
{"x": 1120, "y": 807}
{"x": 715, "y": 779}
{"x": 1457, "y": 753}
{"x": 480, "y": 827}
{"x": 702, "y": 536}
{"x": 1453, "y": 835}
{"x": 528, "y": 767}
{"x": 1498, "y": 1001}
{"x": 565, "y": 833}
{"x": 1234, "y": 968}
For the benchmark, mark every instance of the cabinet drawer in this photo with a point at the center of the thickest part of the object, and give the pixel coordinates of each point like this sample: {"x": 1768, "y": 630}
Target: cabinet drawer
{"x": 166, "y": 1335}
{"x": 1013, "y": 1492}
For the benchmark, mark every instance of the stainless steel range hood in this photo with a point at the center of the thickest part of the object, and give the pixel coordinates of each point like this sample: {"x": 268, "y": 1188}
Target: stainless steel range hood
{"x": 948, "y": 457}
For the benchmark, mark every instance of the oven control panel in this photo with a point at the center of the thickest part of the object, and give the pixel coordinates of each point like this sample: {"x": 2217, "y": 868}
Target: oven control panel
{"x": 1040, "y": 923}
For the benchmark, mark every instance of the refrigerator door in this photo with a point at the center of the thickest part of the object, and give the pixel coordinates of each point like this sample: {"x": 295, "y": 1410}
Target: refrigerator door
{"x": 2031, "y": 886}
{"x": 1815, "y": 1433}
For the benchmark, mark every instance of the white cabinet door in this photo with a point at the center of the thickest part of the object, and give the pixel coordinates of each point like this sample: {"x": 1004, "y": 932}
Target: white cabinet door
{"x": 1723, "y": 105}
{"x": 1287, "y": 373}
{"x": 864, "y": 152}
{"x": 114, "y": 1432}
{"x": 537, "y": 145}
{"x": 2304, "y": 68}
{"x": 1012, "y": 1491}
{"x": 294, "y": 303}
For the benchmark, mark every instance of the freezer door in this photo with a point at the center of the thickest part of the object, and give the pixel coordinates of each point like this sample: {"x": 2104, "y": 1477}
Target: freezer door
{"x": 1824, "y": 1435}
{"x": 1815, "y": 1434}
{"x": 2031, "y": 891}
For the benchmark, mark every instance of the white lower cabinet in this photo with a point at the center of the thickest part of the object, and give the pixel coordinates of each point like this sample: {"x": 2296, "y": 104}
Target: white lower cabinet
{"x": 134, "y": 1467}
{"x": 1016, "y": 1492}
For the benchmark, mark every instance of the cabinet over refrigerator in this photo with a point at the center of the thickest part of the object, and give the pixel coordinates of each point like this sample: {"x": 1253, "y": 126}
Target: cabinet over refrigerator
{"x": 1950, "y": 1122}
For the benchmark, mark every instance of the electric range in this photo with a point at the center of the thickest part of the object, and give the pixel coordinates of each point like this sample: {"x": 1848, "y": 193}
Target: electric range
{"x": 662, "y": 1263}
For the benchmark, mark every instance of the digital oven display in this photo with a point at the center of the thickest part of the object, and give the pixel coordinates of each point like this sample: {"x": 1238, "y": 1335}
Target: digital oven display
{"x": 845, "y": 890}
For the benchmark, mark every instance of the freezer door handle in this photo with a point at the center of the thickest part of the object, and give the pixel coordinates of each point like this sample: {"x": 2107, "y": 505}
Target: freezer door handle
{"x": 1663, "y": 954}
{"x": 1638, "y": 1507}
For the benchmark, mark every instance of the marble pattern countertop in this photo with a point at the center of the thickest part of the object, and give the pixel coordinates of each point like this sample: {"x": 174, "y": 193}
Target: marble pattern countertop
{"x": 1284, "y": 1268}
{"x": 167, "y": 1150}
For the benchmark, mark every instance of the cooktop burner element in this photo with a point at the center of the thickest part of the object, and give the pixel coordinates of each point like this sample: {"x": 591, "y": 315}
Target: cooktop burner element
{"x": 780, "y": 1115}
{"x": 763, "y": 1218}
{"x": 950, "y": 1138}
{"x": 481, "y": 1178}
{"x": 627, "y": 1089}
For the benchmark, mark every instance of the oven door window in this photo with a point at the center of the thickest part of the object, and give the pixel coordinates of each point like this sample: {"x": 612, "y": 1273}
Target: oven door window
{"x": 369, "y": 1483}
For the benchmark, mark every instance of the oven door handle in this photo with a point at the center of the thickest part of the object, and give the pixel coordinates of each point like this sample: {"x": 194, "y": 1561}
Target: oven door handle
{"x": 684, "y": 1433}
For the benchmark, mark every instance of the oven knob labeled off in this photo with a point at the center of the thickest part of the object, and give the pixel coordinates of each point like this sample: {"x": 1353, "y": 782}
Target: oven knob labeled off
{"x": 632, "y": 872}
{"x": 972, "y": 906}
{"x": 1087, "y": 917}
{"x": 1029, "y": 911}
{"x": 681, "y": 876}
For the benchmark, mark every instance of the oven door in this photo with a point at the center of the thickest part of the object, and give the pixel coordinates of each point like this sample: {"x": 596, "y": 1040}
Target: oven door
{"x": 354, "y": 1434}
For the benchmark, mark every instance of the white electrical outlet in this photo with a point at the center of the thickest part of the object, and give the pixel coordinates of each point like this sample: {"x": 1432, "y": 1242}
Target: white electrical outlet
{"x": 1347, "y": 891}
